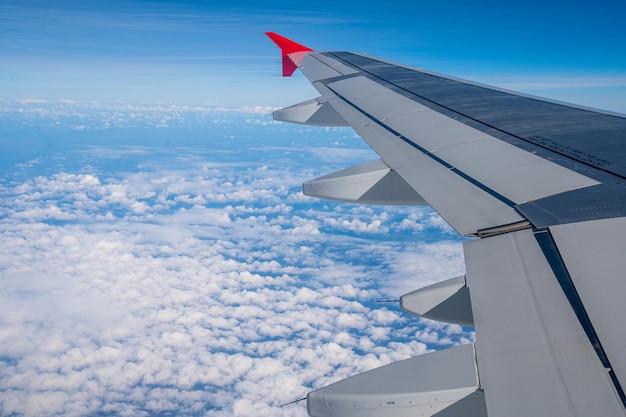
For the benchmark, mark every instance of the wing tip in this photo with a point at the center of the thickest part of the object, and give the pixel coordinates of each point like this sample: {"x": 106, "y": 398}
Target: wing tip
{"x": 287, "y": 47}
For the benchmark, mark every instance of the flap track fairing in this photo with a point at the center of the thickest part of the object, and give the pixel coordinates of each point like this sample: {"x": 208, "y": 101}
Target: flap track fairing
{"x": 447, "y": 301}
{"x": 315, "y": 112}
{"x": 369, "y": 183}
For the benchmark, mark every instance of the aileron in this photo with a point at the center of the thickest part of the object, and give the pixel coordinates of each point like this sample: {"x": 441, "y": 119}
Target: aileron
{"x": 533, "y": 355}
{"x": 594, "y": 254}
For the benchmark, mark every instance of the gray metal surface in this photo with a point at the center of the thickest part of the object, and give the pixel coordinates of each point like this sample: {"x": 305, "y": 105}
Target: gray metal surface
{"x": 316, "y": 70}
{"x": 369, "y": 183}
{"x": 466, "y": 207}
{"x": 357, "y": 87}
{"x": 589, "y": 141}
{"x": 602, "y": 201}
{"x": 590, "y": 136}
{"x": 447, "y": 301}
{"x": 422, "y": 386}
{"x": 518, "y": 175}
{"x": 388, "y": 104}
{"x": 334, "y": 63}
{"x": 441, "y": 133}
{"x": 315, "y": 112}
{"x": 595, "y": 255}
{"x": 533, "y": 356}
{"x": 546, "y": 302}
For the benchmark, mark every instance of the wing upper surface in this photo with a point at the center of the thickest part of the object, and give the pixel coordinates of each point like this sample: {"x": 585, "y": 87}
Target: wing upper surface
{"x": 541, "y": 184}
{"x": 585, "y": 141}
{"x": 498, "y": 173}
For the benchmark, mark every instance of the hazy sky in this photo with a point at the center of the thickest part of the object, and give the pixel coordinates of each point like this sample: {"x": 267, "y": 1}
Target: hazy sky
{"x": 192, "y": 52}
{"x": 155, "y": 257}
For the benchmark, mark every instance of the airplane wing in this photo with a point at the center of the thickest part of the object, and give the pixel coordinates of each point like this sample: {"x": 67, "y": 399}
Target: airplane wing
{"x": 540, "y": 187}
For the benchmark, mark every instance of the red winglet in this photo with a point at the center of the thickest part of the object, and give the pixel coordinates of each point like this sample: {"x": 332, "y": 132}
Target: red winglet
{"x": 287, "y": 46}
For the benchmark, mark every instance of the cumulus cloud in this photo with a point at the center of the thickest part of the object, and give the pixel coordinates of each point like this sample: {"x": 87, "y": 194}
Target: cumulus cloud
{"x": 98, "y": 116}
{"x": 146, "y": 279}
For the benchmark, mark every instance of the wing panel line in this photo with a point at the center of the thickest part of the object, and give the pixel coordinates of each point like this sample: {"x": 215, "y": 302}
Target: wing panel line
{"x": 551, "y": 252}
{"x": 457, "y": 171}
{"x": 526, "y": 140}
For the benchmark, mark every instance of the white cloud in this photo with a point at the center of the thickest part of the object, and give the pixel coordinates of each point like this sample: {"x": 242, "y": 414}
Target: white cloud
{"x": 98, "y": 116}
{"x": 31, "y": 101}
{"x": 206, "y": 288}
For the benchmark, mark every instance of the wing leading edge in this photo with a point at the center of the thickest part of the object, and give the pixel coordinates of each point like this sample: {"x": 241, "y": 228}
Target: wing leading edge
{"x": 538, "y": 184}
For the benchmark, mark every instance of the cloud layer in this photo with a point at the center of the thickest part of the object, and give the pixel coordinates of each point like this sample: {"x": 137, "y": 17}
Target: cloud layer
{"x": 142, "y": 279}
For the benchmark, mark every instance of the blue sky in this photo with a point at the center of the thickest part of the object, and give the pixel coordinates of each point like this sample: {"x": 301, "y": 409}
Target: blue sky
{"x": 156, "y": 257}
{"x": 207, "y": 52}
